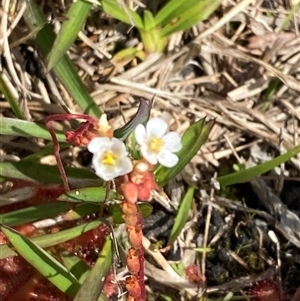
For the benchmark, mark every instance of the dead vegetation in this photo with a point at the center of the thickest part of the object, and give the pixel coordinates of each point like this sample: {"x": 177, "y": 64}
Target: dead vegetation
{"x": 241, "y": 67}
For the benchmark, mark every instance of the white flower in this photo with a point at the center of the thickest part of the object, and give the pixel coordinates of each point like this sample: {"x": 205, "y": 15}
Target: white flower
{"x": 110, "y": 158}
{"x": 156, "y": 144}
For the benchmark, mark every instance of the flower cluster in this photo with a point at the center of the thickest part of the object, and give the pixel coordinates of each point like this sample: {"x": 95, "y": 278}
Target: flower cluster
{"x": 157, "y": 145}
{"x": 134, "y": 181}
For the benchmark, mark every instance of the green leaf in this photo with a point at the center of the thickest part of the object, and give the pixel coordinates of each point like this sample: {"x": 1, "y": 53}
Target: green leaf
{"x": 185, "y": 17}
{"x": 88, "y": 194}
{"x": 45, "y": 151}
{"x": 172, "y": 10}
{"x": 30, "y": 214}
{"x": 53, "y": 239}
{"x": 182, "y": 215}
{"x": 192, "y": 140}
{"x": 141, "y": 116}
{"x": 128, "y": 54}
{"x": 32, "y": 171}
{"x": 48, "y": 266}
{"x": 248, "y": 174}
{"x": 80, "y": 211}
{"x": 124, "y": 14}
{"x": 75, "y": 18}
{"x": 22, "y": 128}
{"x": 153, "y": 41}
{"x": 92, "y": 286}
{"x": 117, "y": 214}
{"x": 149, "y": 21}
{"x": 65, "y": 69}
{"x": 8, "y": 95}
{"x": 75, "y": 265}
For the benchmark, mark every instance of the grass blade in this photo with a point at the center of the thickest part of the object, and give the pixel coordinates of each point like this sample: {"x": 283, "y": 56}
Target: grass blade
{"x": 32, "y": 171}
{"x": 182, "y": 215}
{"x": 185, "y": 19}
{"x": 92, "y": 287}
{"x": 248, "y": 174}
{"x": 64, "y": 70}
{"x": 8, "y": 95}
{"x": 23, "y": 128}
{"x": 124, "y": 14}
{"x": 53, "y": 239}
{"x": 31, "y": 214}
{"x": 69, "y": 30}
{"x": 48, "y": 266}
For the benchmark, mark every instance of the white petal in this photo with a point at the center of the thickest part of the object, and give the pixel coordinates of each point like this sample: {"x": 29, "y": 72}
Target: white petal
{"x": 99, "y": 144}
{"x": 124, "y": 166}
{"x": 172, "y": 142}
{"x": 118, "y": 147}
{"x": 167, "y": 159}
{"x": 140, "y": 134}
{"x": 107, "y": 174}
{"x": 156, "y": 127}
{"x": 149, "y": 156}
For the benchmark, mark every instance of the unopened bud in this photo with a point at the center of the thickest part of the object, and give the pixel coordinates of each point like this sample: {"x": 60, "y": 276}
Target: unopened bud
{"x": 135, "y": 236}
{"x": 130, "y": 192}
{"x": 129, "y": 209}
{"x": 141, "y": 167}
{"x": 133, "y": 263}
{"x": 133, "y": 287}
{"x": 130, "y": 219}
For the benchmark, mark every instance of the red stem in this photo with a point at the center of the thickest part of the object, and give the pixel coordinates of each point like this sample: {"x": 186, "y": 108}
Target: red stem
{"x": 141, "y": 255}
{"x": 62, "y": 117}
{"x": 57, "y": 154}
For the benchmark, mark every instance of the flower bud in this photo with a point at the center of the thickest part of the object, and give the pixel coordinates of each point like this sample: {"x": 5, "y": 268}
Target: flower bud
{"x": 130, "y": 192}
{"x": 133, "y": 263}
{"x": 135, "y": 236}
{"x": 129, "y": 209}
{"x": 130, "y": 219}
{"x": 133, "y": 287}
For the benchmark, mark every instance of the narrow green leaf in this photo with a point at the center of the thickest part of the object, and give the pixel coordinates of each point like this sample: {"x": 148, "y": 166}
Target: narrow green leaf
{"x": 141, "y": 116}
{"x": 126, "y": 55}
{"x": 22, "y": 128}
{"x": 248, "y": 174}
{"x": 45, "y": 151}
{"x": 91, "y": 288}
{"x": 65, "y": 69}
{"x": 124, "y": 14}
{"x": 149, "y": 22}
{"x": 182, "y": 215}
{"x": 192, "y": 140}
{"x": 75, "y": 18}
{"x": 173, "y": 9}
{"x": 53, "y": 239}
{"x": 30, "y": 214}
{"x": 32, "y": 171}
{"x": 80, "y": 211}
{"x": 8, "y": 95}
{"x": 176, "y": 8}
{"x": 186, "y": 18}
{"x": 48, "y": 266}
{"x": 75, "y": 265}
{"x": 88, "y": 194}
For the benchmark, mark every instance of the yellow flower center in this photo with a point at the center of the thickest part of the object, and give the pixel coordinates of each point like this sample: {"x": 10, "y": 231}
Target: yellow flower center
{"x": 109, "y": 158}
{"x": 155, "y": 144}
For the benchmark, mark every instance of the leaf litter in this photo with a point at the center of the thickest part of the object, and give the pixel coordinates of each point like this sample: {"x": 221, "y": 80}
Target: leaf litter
{"x": 239, "y": 68}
